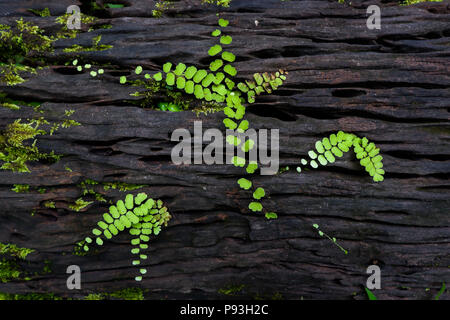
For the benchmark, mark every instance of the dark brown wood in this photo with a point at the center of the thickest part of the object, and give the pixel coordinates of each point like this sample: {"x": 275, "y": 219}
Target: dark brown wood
{"x": 390, "y": 85}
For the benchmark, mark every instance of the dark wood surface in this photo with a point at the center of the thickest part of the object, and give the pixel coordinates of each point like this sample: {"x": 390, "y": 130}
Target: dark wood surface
{"x": 390, "y": 85}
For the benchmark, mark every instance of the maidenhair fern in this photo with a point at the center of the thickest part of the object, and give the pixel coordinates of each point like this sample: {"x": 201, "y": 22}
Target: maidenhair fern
{"x": 141, "y": 215}
{"x": 332, "y": 239}
{"x": 216, "y": 85}
{"x": 332, "y": 147}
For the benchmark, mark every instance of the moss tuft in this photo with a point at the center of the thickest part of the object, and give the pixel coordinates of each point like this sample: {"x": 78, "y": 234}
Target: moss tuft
{"x": 29, "y": 296}
{"x": 128, "y": 294}
{"x": 20, "y": 188}
{"x": 79, "y": 205}
{"x": 160, "y": 7}
{"x": 41, "y": 13}
{"x": 95, "y": 46}
{"x": 14, "y": 152}
{"x": 223, "y": 3}
{"x": 409, "y": 2}
{"x": 20, "y": 46}
{"x": 13, "y": 251}
{"x": 231, "y": 290}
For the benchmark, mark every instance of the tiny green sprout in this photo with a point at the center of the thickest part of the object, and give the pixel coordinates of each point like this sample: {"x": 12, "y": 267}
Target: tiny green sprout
{"x": 271, "y": 215}
{"x": 50, "y": 204}
{"x": 441, "y": 291}
{"x": 101, "y": 71}
{"x": 333, "y": 240}
{"x": 138, "y": 70}
{"x": 299, "y": 170}
{"x": 255, "y": 206}
{"x": 147, "y": 76}
{"x": 75, "y": 62}
{"x": 93, "y": 74}
{"x": 79, "y": 68}
{"x": 163, "y": 106}
{"x": 115, "y": 5}
{"x": 174, "y": 108}
{"x": 244, "y": 183}
{"x": 259, "y": 193}
{"x": 87, "y": 66}
{"x": 123, "y": 80}
{"x": 370, "y": 294}
{"x": 216, "y": 33}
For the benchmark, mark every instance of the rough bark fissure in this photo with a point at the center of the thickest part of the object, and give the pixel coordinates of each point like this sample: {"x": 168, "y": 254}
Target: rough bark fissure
{"x": 390, "y": 85}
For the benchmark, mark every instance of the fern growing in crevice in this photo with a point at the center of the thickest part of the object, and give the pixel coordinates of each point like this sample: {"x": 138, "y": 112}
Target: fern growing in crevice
{"x": 217, "y": 85}
{"x": 143, "y": 217}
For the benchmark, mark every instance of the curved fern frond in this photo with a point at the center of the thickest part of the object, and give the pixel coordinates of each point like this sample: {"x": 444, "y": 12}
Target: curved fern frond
{"x": 143, "y": 216}
{"x": 327, "y": 149}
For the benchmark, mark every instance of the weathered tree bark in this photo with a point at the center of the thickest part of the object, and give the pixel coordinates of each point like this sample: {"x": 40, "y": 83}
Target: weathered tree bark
{"x": 390, "y": 85}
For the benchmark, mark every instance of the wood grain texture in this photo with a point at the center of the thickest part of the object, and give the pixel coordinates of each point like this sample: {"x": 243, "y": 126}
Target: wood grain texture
{"x": 390, "y": 85}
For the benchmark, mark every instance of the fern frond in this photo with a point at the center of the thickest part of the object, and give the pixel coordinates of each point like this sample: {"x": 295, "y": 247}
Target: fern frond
{"x": 143, "y": 216}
